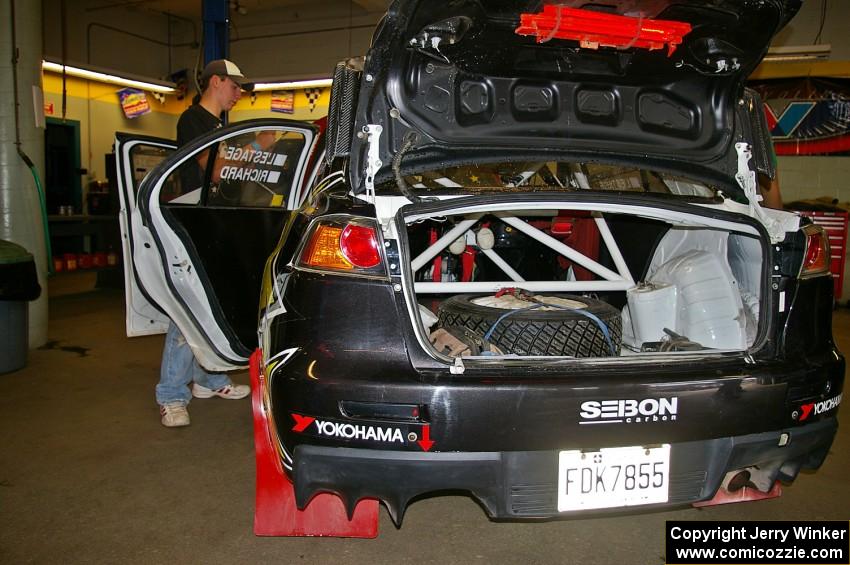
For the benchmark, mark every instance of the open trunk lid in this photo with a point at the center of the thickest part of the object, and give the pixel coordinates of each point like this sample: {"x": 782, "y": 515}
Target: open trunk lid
{"x": 472, "y": 79}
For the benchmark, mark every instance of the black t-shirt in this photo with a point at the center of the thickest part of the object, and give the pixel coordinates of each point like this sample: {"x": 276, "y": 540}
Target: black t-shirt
{"x": 194, "y": 122}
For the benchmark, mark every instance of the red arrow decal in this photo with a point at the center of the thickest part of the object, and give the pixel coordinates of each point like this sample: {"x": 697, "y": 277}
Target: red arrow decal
{"x": 425, "y": 443}
{"x": 302, "y": 422}
{"x": 807, "y": 409}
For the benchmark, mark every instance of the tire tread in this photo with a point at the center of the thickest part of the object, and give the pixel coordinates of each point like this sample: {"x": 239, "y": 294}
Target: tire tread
{"x": 525, "y": 333}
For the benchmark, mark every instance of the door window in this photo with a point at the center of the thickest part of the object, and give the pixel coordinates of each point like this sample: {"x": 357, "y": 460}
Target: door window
{"x": 145, "y": 158}
{"x": 254, "y": 169}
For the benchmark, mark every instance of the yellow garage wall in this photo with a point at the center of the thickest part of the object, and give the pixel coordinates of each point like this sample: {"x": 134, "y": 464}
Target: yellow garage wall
{"x": 95, "y": 105}
{"x": 259, "y": 106}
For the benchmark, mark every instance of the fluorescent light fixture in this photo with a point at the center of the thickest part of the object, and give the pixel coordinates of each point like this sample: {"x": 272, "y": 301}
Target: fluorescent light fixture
{"x": 100, "y": 76}
{"x": 293, "y": 84}
{"x": 798, "y": 53}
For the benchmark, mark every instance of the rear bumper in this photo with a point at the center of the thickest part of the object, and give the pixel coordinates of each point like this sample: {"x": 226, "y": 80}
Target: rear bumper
{"x": 523, "y": 484}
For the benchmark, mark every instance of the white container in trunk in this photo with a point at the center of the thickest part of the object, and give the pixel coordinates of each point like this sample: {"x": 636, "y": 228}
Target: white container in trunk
{"x": 709, "y": 309}
{"x": 652, "y": 307}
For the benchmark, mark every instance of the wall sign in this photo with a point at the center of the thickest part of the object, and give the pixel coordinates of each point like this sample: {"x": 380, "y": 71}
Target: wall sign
{"x": 808, "y": 116}
{"x": 283, "y": 101}
{"x": 134, "y": 102}
{"x": 313, "y": 95}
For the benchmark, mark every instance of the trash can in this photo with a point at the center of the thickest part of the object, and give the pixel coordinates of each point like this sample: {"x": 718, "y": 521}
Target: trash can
{"x": 18, "y": 285}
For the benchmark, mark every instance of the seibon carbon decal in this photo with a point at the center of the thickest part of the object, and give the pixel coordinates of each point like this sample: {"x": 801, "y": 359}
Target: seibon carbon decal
{"x": 629, "y": 411}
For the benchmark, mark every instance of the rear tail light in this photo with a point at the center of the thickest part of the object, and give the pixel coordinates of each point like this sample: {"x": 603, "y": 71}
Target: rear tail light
{"x": 359, "y": 244}
{"x": 345, "y": 245}
{"x": 817, "y": 257}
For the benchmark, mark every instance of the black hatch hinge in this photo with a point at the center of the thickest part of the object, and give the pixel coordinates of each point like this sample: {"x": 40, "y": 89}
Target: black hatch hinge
{"x": 393, "y": 259}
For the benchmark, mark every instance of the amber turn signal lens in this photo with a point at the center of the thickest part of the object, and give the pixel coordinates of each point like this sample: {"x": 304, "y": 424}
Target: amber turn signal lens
{"x": 324, "y": 250}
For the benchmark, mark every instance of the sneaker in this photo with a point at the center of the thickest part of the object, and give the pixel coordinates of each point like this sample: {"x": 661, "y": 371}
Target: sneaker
{"x": 174, "y": 415}
{"x": 230, "y": 392}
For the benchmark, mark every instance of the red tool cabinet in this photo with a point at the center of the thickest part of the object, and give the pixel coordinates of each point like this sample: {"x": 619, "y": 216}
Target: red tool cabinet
{"x": 835, "y": 224}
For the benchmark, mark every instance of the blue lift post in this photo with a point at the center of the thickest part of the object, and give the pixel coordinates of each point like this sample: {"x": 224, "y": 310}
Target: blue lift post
{"x": 216, "y": 37}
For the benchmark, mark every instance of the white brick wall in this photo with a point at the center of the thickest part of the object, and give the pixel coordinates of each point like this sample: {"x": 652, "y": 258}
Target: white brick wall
{"x": 811, "y": 177}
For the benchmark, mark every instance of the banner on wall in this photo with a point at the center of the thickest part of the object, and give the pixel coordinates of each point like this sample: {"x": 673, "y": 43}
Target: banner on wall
{"x": 808, "y": 116}
{"x": 313, "y": 95}
{"x": 133, "y": 102}
{"x": 283, "y": 101}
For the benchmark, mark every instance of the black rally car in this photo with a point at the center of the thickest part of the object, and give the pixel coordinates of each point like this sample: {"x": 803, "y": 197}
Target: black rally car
{"x": 527, "y": 260}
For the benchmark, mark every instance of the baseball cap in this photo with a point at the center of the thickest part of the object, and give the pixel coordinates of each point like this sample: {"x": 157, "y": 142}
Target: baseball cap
{"x": 223, "y": 67}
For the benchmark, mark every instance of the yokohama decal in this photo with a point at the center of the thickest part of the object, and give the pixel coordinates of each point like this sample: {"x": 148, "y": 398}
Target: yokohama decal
{"x": 817, "y": 408}
{"x": 347, "y": 431}
{"x": 302, "y": 422}
{"x": 358, "y": 431}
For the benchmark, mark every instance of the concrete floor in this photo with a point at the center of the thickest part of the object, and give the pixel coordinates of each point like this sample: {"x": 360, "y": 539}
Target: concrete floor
{"x": 88, "y": 474}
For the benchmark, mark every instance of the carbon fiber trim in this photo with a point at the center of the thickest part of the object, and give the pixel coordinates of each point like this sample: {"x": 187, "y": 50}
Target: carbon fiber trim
{"x": 344, "y": 92}
{"x": 333, "y": 109}
{"x": 763, "y": 152}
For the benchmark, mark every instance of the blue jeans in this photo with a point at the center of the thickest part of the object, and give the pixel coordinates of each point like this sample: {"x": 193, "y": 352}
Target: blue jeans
{"x": 179, "y": 368}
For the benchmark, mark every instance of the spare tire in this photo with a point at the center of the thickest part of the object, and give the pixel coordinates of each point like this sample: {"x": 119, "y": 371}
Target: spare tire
{"x": 550, "y": 332}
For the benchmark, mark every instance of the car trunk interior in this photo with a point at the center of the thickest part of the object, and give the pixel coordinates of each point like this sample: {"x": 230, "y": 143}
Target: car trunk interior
{"x": 589, "y": 280}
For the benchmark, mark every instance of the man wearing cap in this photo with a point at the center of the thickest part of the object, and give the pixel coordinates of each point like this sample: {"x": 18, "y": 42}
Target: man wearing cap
{"x": 221, "y": 87}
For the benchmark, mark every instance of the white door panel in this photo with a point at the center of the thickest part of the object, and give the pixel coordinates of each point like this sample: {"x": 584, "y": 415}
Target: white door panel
{"x": 149, "y": 263}
{"x": 142, "y": 317}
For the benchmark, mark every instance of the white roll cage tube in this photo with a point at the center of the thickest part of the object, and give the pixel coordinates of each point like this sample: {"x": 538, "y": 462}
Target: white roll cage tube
{"x": 620, "y": 280}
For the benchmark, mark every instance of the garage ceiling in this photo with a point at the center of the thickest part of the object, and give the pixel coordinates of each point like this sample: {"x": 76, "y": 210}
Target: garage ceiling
{"x": 192, "y": 8}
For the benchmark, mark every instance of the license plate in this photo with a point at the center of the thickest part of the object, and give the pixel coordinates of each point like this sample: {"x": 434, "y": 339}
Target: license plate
{"x": 613, "y": 477}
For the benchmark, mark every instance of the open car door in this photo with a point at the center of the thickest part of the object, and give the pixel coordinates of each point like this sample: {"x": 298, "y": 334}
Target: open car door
{"x": 207, "y": 218}
{"x": 135, "y": 157}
